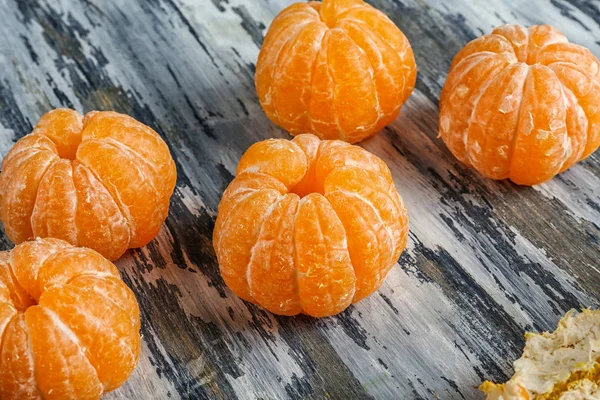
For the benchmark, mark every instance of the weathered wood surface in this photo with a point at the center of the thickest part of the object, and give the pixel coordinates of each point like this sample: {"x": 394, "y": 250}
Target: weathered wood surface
{"x": 485, "y": 261}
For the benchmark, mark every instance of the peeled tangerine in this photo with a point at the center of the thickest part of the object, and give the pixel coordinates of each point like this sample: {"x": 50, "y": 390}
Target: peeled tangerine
{"x": 522, "y": 104}
{"x": 102, "y": 181}
{"x": 562, "y": 365}
{"x": 308, "y": 226}
{"x": 339, "y": 69}
{"x": 69, "y": 326}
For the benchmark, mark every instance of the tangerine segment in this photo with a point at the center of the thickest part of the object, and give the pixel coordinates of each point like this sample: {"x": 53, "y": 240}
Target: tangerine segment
{"x": 386, "y": 63}
{"x": 61, "y": 368}
{"x": 370, "y": 242}
{"x": 518, "y": 37}
{"x": 336, "y": 154}
{"x": 473, "y": 75}
{"x": 20, "y": 191}
{"x": 340, "y": 69}
{"x": 577, "y": 56}
{"x": 112, "y": 290}
{"x": 105, "y": 228}
{"x": 282, "y": 159}
{"x": 351, "y": 75}
{"x": 288, "y": 23}
{"x": 321, "y": 109}
{"x": 493, "y": 43}
{"x": 490, "y": 134}
{"x": 103, "y": 181}
{"x": 62, "y": 267}
{"x": 311, "y": 146}
{"x": 294, "y": 73}
{"x": 326, "y": 281}
{"x": 10, "y": 291}
{"x": 584, "y": 94}
{"x": 330, "y": 11}
{"x": 541, "y": 146}
{"x": 17, "y": 380}
{"x": 242, "y": 187}
{"x": 378, "y": 194}
{"x": 274, "y": 284}
{"x": 139, "y": 139}
{"x": 25, "y": 147}
{"x": 315, "y": 247}
{"x": 80, "y": 340}
{"x": 63, "y": 127}
{"x": 27, "y": 259}
{"x": 74, "y": 206}
{"x": 530, "y": 118}
{"x": 540, "y": 36}
{"x": 382, "y": 32}
{"x": 17, "y": 158}
{"x": 234, "y": 249}
{"x": 577, "y": 123}
{"x": 121, "y": 173}
{"x": 113, "y": 352}
{"x": 56, "y": 203}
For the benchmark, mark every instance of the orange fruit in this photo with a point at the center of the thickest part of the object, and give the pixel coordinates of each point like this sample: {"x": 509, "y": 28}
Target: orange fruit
{"x": 308, "y": 226}
{"x": 69, "y": 326}
{"x": 102, "y": 181}
{"x": 339, "y": 69}
{"x": 522, "y": 103}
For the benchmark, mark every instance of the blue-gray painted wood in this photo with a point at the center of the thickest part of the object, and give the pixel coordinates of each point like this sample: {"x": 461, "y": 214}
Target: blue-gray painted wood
{"x": 485, "y": 261}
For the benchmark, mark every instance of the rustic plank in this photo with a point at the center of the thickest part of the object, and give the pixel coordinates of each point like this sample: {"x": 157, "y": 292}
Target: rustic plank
{"x": 485, "y": 261}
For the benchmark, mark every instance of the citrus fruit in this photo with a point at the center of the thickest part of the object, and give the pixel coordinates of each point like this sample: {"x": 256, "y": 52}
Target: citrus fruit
{"x": 339, "y": 69}
{"x": 522, "y": 104}
{"x": 559, "y": 365}
{"x": 102, "y": 181}
{"x": 308, "y": 226}
{"x": 69, "y": 326}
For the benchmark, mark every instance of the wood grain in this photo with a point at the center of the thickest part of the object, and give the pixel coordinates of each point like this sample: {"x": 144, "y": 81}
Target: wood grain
{"x": 485, "y": 261}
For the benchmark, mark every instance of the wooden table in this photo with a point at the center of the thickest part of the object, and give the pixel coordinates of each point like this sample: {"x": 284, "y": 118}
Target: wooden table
{"x": 485, "y": 261}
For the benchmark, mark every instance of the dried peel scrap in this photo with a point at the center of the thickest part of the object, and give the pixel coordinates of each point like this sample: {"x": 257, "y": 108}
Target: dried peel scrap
{"x": 562, "y": 365}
